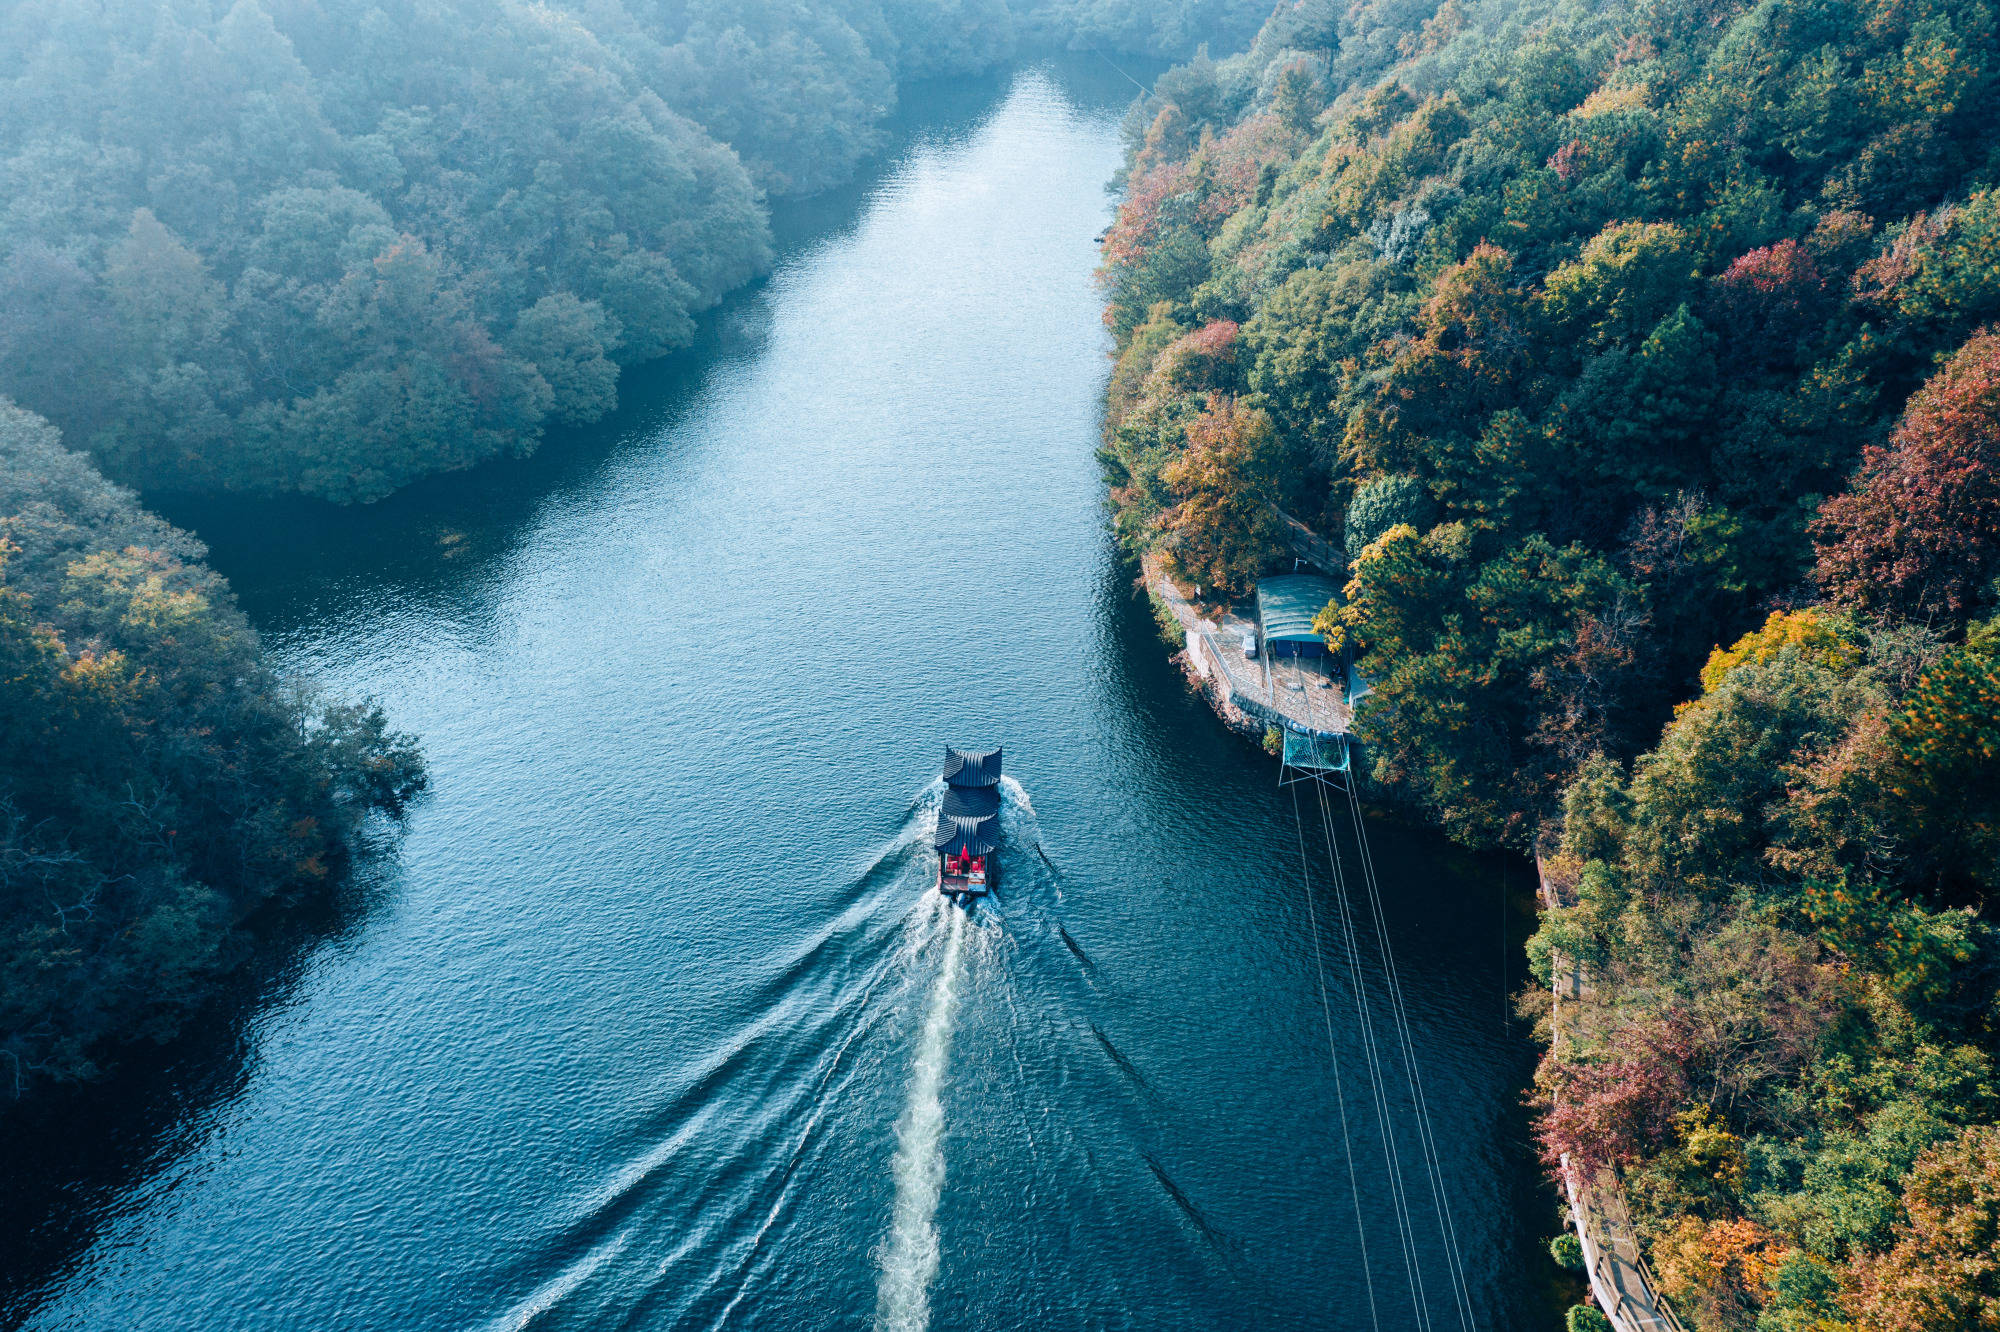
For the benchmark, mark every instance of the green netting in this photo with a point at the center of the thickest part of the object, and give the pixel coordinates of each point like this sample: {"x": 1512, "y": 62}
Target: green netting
{"x": 1315, "y": 753}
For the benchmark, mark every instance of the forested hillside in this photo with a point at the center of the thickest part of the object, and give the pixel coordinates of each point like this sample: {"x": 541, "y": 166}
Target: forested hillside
{"x": 158, "y": 786}
{"x": 331, "y": 246}
{"x": 1169, "y": 28}
{"x": 1640, "y": 357}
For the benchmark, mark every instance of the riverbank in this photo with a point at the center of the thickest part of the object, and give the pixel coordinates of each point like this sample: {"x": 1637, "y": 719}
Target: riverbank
{"x": 629, "y": 1022}
{"x": 1620, "y": 1280}
{"x": 1251, "y": 695}
{"x": 161, "y": 788}
{"x": 1733, "y": 667}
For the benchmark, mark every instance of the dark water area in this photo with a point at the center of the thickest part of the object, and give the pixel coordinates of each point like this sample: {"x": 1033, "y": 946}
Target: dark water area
{"x": 650, "y": 1018}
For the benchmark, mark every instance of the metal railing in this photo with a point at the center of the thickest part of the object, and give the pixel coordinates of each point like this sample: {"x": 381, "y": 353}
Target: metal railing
{"x": 1239, "y": 693}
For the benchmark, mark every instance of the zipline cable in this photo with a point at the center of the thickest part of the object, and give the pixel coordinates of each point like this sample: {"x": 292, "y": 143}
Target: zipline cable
{"x": 1433, "y": 1160}
{"x": 1392, "y": 1156}
{"x": 1433, "y": 1163}
{"x": 1127, "y": 77}
{"x": 1339, "y": 1092}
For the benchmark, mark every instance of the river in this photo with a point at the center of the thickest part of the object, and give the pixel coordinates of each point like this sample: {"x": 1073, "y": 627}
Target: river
{"x": 648, "y": 1019}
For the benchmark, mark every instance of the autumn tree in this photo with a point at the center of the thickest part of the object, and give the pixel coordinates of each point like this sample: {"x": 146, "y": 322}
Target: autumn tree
{"x": 1816, "y": 637}
{"x": 158, "y": 784}
{"x": 1768, "y": 300}
{"x": 1628, "y": 277}
{"x": 1224, "y": 529}
{"x": 1918, "y": 534}
{"x": 1942, "y": 1272}
{"x": 1570, "y": 334}
{"x": 1609, "y": 1105}
{"x": 1944, "y": 770}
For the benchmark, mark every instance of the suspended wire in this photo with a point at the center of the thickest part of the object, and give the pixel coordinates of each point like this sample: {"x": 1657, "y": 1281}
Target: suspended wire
{"x": 1452, "y": 1249}
{"x": 1339, "y": 1092}
{"x": 1433, "y": 1160}
{"x": 1392, "y": 1158}
{"x": 1391, "y": 1153}
{"x": 1127, "y": 77}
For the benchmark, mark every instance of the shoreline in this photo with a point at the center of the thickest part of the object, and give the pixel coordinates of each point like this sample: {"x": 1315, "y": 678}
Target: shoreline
{"x": 1613, "y": 1263}
{"x": 1248, "y": 706}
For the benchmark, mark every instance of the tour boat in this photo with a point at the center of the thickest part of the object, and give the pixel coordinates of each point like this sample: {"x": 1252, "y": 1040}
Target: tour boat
{"x": 967, "y": 840}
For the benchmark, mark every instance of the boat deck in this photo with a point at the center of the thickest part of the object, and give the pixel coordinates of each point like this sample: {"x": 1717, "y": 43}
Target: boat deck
{"x": 959, "y": 883}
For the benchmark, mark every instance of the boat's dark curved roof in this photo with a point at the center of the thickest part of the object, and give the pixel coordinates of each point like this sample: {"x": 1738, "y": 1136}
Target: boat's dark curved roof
{"x": 970, "y": 767}
{"x": 971, "y": 802}
{"x": 969, "y": 818}
{"x": 958, "y": 833}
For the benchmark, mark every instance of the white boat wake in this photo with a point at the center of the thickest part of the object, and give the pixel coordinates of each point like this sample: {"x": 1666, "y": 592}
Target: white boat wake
{"x": 909, "y": 1256}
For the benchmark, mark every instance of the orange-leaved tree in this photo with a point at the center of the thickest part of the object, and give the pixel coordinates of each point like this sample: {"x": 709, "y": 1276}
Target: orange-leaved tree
{"x": 1942, "y": 1273}
{"x": 1224, "y": 529}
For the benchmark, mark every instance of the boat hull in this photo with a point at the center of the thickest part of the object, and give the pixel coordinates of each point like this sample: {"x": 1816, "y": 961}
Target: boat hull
{"x": 963, "y": 887}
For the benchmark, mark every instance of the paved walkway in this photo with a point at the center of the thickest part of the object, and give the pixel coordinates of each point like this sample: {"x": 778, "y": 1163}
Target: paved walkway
{"x": 1619, "y": 1278}
{"x": 1302, "y": 693}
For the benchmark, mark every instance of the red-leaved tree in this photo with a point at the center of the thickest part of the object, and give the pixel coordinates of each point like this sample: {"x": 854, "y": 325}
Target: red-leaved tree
{"x": 1768, "y": 300}
{"x": 1918, "y": 533}
{"x": 1610, "y": 1109}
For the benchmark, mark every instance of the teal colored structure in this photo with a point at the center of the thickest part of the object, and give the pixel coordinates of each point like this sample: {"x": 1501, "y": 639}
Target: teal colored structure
{"x": 1315, "y": 754}
{"x": 1286, "y": 606}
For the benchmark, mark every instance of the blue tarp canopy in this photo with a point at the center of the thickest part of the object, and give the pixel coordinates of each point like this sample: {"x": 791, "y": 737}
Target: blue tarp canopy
{"x": 1316, "y": 753}
{"x": 1286, "y": 606}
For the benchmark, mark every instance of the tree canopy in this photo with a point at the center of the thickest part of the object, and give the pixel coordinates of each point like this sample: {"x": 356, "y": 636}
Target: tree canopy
{"x": 1643, "y": 326}
{"x": 159, "y": 787}
{"x": 331, "y": 246}
{"x": 1640, "y": 359}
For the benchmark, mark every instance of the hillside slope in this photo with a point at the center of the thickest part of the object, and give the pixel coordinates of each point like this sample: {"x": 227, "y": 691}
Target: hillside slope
{"x": 159, "y": 787}
{"x": 1638, "y": 355}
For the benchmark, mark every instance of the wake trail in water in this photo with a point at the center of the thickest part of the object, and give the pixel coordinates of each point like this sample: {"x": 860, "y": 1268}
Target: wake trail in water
{"x": 910, "y": 1256}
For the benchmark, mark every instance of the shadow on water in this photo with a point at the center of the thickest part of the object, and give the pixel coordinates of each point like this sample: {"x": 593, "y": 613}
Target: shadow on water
{"x": 71, "y": 1151}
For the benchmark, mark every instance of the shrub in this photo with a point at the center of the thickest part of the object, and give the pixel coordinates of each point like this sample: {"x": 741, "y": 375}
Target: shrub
{"x": 1169, "y": 623}
{"x": 1585, "y": 1318}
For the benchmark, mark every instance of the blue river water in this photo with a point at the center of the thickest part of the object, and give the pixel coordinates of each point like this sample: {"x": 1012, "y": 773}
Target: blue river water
{"x": 648, "y": 1018}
